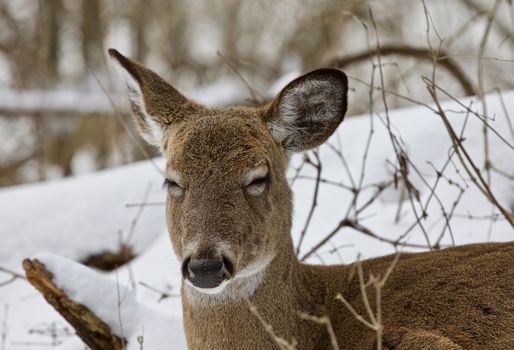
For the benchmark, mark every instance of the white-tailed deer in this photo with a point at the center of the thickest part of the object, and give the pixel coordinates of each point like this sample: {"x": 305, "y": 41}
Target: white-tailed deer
{"x": 229, "y": 217}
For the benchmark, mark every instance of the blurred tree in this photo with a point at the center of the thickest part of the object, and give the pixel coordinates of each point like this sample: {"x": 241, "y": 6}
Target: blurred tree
{"x": 52, "y": 13}
{"x": 92, "y": 34}
{"x": 57, "y": 44}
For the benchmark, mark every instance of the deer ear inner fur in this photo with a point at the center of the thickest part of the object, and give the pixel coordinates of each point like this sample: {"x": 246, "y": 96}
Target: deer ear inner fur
{"x": 309, "y": 109}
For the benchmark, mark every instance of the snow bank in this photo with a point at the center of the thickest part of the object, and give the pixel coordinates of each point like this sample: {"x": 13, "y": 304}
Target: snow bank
{"x": 116, "y": 304}
{"x": 427, "y": 143}
{"x": 81, "y": 216}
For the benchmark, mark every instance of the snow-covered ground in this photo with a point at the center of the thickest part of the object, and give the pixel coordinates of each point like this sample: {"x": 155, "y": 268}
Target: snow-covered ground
{"x": 81, "y": 216}
{"x": 78, "y": 217}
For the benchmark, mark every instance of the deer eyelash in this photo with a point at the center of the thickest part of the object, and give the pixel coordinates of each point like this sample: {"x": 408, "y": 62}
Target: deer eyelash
{"x": 260, "y": 181}
{"x": 170, "y": 184}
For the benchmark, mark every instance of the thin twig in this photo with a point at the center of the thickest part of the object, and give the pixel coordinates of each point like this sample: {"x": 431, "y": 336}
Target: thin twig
{"x": 315, "y": 194}
{"x": 323, "y": 321}
{"x": 257, "y": 100}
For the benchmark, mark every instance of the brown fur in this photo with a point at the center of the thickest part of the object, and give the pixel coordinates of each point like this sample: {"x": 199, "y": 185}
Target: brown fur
{"x": 458, "y": 298}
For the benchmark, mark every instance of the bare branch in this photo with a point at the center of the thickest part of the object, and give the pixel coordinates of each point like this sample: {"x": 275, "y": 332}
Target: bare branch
{"x": 415, "y": 52}
{"x": 93, "y": 331}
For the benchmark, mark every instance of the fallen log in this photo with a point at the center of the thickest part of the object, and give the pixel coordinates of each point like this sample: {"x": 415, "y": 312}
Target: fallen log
{"x": 93, "y": 331}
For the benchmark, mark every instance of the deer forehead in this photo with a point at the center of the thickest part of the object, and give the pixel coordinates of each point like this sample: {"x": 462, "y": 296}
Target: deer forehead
{"x": 220, "y": 144}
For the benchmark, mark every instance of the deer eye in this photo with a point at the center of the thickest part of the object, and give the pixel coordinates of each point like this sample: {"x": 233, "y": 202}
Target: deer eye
{"x": 257, "y": 185}
{"x": 172, "y": 187}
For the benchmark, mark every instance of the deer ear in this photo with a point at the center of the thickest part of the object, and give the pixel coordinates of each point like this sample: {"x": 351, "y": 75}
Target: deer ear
{"x": 155, "y": 104}
{"x": 309, "y": 109}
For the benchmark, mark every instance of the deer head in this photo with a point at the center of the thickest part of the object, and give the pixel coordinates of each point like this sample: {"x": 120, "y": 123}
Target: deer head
{"x": 229, "y": 205}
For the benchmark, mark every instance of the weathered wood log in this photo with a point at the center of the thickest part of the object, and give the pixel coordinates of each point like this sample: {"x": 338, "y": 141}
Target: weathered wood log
{"x": 92, "y": 330}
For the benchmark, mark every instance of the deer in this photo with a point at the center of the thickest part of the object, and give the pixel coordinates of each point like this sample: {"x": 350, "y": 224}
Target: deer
{"x": 229, "y": 216}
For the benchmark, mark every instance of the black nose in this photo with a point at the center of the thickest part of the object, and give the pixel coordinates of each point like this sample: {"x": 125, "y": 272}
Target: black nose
{"x": 207, "y": 273}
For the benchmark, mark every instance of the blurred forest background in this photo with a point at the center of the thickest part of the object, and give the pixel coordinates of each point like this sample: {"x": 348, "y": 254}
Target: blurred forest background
{"x": 63, "y": 110}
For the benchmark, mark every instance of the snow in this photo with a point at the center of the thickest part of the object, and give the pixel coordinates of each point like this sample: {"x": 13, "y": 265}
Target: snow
{"x": 220, "y": 93}
{"x": 59, "y": 101}
{"x": 68, "y": 101}
{"x": 426, "y": 141}
{"x": 74, "y": 218}
{"x": 130, "y": 319}
{"x": 88, "y": 213}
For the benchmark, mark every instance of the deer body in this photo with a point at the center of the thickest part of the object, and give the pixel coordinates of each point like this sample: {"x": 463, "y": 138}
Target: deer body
{"x": 426, "y": 304}
{"x": 229, "y": 213}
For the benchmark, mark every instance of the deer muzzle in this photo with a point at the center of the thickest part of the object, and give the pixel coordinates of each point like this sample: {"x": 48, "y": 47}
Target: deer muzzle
{"x": 207, "y": 273}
